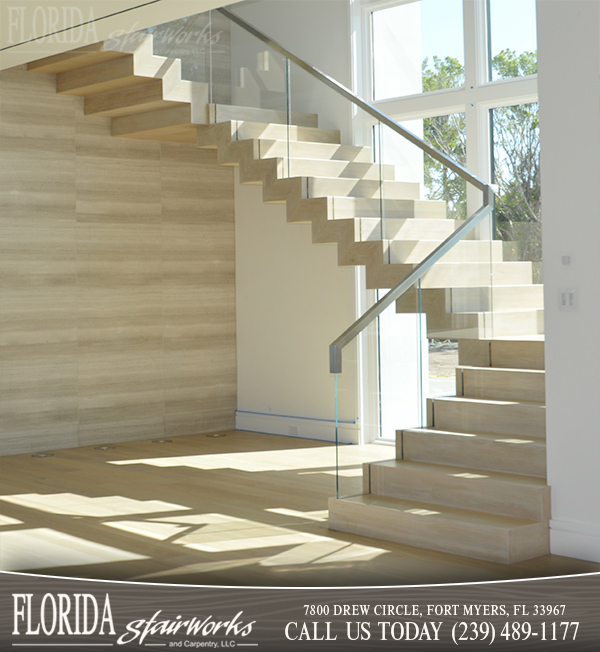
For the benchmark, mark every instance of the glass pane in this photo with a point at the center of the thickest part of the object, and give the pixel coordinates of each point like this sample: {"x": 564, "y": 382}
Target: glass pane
{"x": 187, "y": 39}
{"x": 417, "y": 47}
{"x": 513, "y": 38}
{"x": 402, "y": 364}
{"x": 516, "y": 171}
{"x": 448, "y": 134}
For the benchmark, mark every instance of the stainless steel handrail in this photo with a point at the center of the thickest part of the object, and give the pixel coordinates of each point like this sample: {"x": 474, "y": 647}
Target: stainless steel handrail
{"x": 335, "y": 349}
{"x": 349, "y": 95}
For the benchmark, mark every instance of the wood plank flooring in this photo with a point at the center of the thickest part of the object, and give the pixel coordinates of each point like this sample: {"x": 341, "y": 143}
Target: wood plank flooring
{"x": 244, "y": 509}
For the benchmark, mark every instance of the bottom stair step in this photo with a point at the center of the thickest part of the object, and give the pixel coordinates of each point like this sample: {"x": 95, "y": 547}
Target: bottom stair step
{"x": 479, "y": 535}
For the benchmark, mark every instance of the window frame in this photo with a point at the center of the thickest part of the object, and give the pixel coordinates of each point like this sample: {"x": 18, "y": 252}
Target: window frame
{"x": 476, "y": 98}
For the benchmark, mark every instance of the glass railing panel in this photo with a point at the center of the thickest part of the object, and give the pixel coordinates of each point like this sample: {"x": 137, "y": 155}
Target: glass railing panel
{"x": 393, "y": 351}
{"x": 258, "y": 77}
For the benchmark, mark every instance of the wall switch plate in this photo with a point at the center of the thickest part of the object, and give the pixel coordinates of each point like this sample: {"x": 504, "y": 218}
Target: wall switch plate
{"x": 567, "y": 299}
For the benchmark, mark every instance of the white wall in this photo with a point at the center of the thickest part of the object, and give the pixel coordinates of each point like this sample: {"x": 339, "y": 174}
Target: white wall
{"x": 292, "y": 301}
{"x": 569, "y": 89}
{"x": 292, "y": 298}
{"x": 23, "y": 20}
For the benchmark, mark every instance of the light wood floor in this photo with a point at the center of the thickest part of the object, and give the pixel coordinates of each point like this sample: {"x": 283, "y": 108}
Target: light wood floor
{"x": 245, "y": 509}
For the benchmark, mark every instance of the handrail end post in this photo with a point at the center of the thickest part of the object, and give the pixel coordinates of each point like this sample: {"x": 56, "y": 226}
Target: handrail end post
{"x": 335, "y": 359}
{"x": 489, "y": 192}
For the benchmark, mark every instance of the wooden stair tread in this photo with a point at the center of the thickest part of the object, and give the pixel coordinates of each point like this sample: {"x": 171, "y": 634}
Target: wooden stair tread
{"x": 500, "y": 370}
{"x": 460, "y": 471}
{"x": 488, "y": 401}
{"x": 442, "y": 512}
{"x": 488, "y": 436}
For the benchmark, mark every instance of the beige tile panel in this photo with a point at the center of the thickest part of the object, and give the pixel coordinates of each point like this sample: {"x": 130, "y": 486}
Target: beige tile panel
{"x": 116, "y": 279}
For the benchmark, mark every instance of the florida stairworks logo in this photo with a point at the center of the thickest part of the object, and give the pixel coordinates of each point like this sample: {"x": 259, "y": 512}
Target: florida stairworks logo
{"x": 55, "y": 615}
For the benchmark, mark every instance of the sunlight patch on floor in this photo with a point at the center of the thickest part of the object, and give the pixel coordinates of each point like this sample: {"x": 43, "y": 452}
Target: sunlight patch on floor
{"x": 7, "y": 520}
{"x": 319, "y": 516}
{"x": 247, "y": 461}
{"x": 75, "y": 505}
{"x": 421, "y": 512}
{"x": 265, "y": 540}
{"x": 343, "y": 473}
{"x": 47, "y": 548}
{"x": 200, "y": 519}
{"x": 326, "y": 551}
{"x": 157, "y": 531}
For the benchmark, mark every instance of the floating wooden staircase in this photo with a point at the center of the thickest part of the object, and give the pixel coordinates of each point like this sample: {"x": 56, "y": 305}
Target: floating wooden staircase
{"x": 473, "y": 481}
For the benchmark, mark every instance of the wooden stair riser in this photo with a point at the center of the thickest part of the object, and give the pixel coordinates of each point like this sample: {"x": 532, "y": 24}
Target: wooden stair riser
{"x": 479, "y": 415}
{"x": 169, "y": 124}
{"x": 444, "y": 275}
{"x": 373, "y": 228}
{"x": 347, "y": 155}
{"x": 226, "y": 112}
{"x": 441, "y": 529}
{"x": 276, "y": 188}
{"x": 483, "y": 325}
{"x": 78, "y": 58}
{"x": 360, "y": 188}
{"x": 135, "y": 99}
{"x": 99, "y": 77}
{"x": 511, "y": 354}
{"x": 478, "y": 490}
{"x": 336, "y": 169}
{"x": 117, "y": 73}
{"x": 407, "y": 251}
{"x": 501, "y": 384}
{"x": 321, "y": 172}
{"x": 391, "y": 209}
{"x": 480, "y": 451}
{"x": 443, "y": 322}
{"x": 496, "y": 297}
{"x": 244, "y": 130}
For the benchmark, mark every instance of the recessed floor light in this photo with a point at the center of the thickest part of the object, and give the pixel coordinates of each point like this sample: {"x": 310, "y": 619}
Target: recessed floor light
{"x": 104, "y": 448}
{"x": 162, "y": 441}
{"x": 43, "y": 455}
{"x": 217, "y": 434}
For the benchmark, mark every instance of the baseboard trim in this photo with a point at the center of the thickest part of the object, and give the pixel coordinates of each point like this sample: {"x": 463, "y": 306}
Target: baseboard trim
{"x": 575, "y": 540}
{"x": 289, "y": 426}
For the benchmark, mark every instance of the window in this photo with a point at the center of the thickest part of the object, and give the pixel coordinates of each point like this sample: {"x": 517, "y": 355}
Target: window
{"x": 516, "y": 172}
{"x": 425, "y": 69}
{"x": 412, "y": 38}
{"x": 512, "y": 38}
{"x": 462, "y": 74}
